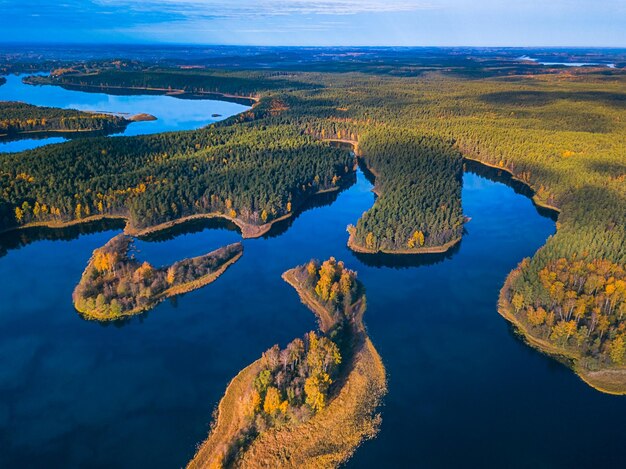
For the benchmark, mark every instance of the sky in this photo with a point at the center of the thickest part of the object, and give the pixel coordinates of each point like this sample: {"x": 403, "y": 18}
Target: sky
{"x": 593, "y": 23}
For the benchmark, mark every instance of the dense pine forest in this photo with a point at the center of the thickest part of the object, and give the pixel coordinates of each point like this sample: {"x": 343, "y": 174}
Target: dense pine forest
{"x": 419, "y": 181}
{"x": 116, "y": 284}
{"x": 255, "y": 173}
{"x": 561, "y": 131}
{"x": 192, "y": 82}
{"x": 16, "y": 118}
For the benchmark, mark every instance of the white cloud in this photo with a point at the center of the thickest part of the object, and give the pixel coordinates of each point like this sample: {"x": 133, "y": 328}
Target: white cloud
{"x": 255, "y": 8}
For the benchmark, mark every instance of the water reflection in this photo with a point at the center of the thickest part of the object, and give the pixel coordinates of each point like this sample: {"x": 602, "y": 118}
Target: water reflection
{"x": 504, "y": 177}
{"x": 23, "y": 237}
{"x": 395, "y": 261}
{"x": 318, "y": 200}
{"x": 190, "y": 227}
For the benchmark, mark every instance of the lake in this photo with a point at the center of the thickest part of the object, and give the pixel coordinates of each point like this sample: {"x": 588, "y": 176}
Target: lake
{"x": 568, "y": 64}
{"x": 464, "y": 390}
{"x": 172, "y": 113}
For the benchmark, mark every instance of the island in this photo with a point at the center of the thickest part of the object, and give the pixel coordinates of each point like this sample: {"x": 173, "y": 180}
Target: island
{"x": 312, "y": 403}
{"x": 19, "y": 120}
{"x": 115, "y": 284}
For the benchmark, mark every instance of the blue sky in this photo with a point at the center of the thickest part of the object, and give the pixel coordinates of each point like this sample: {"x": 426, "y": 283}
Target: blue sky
{"x": 324, "y": 22}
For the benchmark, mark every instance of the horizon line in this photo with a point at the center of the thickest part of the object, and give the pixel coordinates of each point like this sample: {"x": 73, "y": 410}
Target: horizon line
{"x": 304, "y": 46}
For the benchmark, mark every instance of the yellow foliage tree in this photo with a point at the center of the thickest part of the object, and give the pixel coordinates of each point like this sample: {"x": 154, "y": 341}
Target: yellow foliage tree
{"x": 272, "y": 401}
{"x": 370, "y": 240}
{"x": 417, "y": 240}
{"x": 19, "y": 214}
{"x": 563, "y": 330}
{"x": 536, "y": 317}
{"x": 315, "y": 388}
{"x": 171, "y": 275}
{"x": 311, "y": 268}
{"x": 517, "y": 301}
{"x": 617, "y": 350}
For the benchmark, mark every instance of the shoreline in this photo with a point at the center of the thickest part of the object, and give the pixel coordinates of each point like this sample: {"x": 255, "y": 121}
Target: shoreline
{"x": 169, "y": 293}
{"x": 248, "y": 231}
{"x": 14, "y": 137}
{"x": 325, "y": 320}
{"x": 534, "y": 199}
{"x": 600, "y": 380}
{"x": 450, "y": 244}
{"x": 165, "y": 91}
{"x": 441, "y": 249}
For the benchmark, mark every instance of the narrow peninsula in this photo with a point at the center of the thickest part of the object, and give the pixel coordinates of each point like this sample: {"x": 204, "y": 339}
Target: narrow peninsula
{"x": 115, "y": 284}
{"x": 314, "y": 402}
{"x": 418, "y": 182}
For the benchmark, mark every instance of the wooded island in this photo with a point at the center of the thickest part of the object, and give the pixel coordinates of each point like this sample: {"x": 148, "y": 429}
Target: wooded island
{"x": 115, "y": 284}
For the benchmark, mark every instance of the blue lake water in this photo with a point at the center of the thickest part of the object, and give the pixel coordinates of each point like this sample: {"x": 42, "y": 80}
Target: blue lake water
{"x": 569, "y": 64}
{"x": 172, "y": 113}
{"x": 464, "y": 390}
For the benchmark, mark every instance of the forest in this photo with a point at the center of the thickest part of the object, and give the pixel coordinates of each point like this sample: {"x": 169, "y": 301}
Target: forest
{"x": 254, "y": 173}
{"x": 269, "y": 406}
{"x": 17, "y": 118}
{"x": 562, "y": 131}
{"x": 115, "y": 284}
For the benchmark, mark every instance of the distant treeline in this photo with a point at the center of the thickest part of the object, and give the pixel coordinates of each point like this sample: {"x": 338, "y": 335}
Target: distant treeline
{"x": 190, "y": 81}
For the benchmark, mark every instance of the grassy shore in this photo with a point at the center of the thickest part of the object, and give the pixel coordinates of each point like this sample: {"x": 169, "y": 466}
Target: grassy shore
{"x": 609, "y": 380}
{"x": 331, "y": 436}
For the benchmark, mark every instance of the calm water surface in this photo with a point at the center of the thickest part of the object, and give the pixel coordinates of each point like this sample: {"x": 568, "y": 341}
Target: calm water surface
{"x": 171, "y": 113}
{"x": 463, "y": 389}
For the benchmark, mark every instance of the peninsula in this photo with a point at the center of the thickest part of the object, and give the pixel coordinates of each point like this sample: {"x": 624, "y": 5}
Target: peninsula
{"x": 312, "y": 403}
{"x": 115, "y": 284}
{"x": 19, "y": 120}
